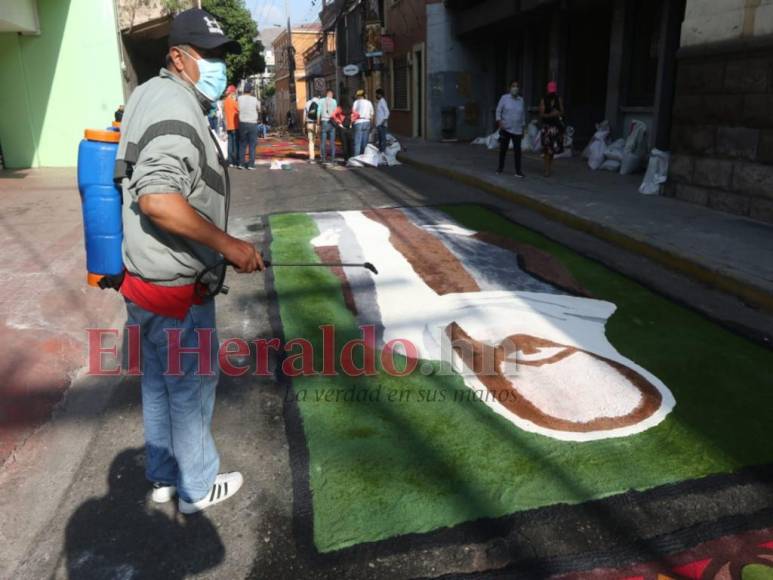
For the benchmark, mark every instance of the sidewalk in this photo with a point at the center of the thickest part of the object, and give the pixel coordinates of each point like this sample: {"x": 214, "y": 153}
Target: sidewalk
{"x": 732, "y": 254}
{"x": 45, "y": 305}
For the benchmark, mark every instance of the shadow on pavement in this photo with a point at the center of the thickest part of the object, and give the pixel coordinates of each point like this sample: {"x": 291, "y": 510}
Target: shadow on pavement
{"x": 120, "y": 536}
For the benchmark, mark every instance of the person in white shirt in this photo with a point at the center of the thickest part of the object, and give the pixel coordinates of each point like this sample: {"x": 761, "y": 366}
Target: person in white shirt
{"x": 327, "y": 107}
{"x": 363, "y": 111}
{"x": 511, "y": 119}
{"x": 310, "y": 122}
{"x": 249, "y": 107}
{"x": 382, "y": 117}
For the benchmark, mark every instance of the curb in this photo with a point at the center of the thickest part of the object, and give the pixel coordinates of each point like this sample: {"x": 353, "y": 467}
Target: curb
{"x": 748, "y": 293}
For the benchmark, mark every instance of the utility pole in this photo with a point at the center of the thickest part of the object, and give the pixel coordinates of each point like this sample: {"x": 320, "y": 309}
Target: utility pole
{"x": 291, "y": 63}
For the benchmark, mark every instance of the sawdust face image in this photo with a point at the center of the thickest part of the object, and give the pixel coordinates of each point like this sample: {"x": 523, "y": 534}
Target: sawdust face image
{"x": 562, "y": 379}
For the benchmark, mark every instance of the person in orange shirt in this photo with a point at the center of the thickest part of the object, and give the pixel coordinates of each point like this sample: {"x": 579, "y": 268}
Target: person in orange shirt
{"x": 231, "y": 114}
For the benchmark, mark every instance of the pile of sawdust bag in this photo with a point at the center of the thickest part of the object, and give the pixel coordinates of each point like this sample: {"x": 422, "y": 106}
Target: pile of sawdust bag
{"x": 625, "y": 156}
{"x": 372, "y": 157}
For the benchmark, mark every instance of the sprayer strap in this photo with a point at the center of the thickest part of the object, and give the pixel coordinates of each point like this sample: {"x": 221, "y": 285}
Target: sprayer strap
{"x": 123, "y": 167}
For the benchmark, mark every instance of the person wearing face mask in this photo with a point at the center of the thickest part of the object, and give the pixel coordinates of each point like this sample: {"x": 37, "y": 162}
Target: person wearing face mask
{"x": 175, "y": 212}
{"x": 511, "y": 119}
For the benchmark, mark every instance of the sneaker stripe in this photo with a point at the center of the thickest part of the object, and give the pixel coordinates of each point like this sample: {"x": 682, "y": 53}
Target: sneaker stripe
{"x": 218, "y": 491}
{"x": 226, "y": 487}
{"x": 212, "y": 495}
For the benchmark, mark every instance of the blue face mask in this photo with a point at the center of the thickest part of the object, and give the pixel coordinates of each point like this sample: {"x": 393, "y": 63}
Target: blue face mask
{"x": 212, "y": 77}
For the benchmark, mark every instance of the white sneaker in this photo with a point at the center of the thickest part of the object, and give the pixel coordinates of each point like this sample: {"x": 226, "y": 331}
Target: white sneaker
{"x": 225, "y": 486}
{"x": 163, "y": 493}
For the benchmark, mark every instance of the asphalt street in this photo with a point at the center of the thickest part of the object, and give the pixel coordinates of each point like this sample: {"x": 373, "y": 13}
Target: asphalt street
{"x": 98, "y": 522}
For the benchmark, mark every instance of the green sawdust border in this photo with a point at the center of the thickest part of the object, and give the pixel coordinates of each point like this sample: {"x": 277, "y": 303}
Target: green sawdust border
{"x": 567, "y": 518}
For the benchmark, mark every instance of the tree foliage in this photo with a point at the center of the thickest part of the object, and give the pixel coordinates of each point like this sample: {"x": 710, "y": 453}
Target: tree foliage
{"x": 238, "y": 24}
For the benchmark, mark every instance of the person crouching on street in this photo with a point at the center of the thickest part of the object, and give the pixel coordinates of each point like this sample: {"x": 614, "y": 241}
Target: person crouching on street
{"x": 175, "y": 187}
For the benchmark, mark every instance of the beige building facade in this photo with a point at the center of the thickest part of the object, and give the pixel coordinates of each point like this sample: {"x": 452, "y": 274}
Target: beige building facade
{"x": 291, "y": 93}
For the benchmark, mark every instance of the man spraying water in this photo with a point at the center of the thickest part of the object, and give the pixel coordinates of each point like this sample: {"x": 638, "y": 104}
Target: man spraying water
{"x": 175, "y": 213}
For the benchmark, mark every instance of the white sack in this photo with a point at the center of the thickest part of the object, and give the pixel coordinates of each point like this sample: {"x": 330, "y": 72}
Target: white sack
{"x": 610, "y": 165}
{"x": 600, "y": 129}
{"x": 368, "y": 159}
{"x": 635, "y": 152}
{"x": 492, "y": 141}
{"x": 389, "y": 156}
{"x": 535, "y": 140}
{"x": 614, "y": 150}
{"x": 597, "y": 146}
{"x": 657, "y": 172}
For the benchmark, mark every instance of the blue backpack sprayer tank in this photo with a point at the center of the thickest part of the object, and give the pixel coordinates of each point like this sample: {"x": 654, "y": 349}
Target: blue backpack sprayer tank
{"x": 101, "y": 204}
{"x": 101, "y": 201}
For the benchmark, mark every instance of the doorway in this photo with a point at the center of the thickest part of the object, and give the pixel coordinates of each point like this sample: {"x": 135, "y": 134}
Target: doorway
{"x": 587, "y": 68}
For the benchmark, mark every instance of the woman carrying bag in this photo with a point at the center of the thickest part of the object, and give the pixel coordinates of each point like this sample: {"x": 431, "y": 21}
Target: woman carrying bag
{"x": 551, "y": 110}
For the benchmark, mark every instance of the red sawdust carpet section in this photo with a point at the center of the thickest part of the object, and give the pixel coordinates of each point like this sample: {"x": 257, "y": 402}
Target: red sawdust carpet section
{"x": 282, "y": 147}
{"x": 331, "y": 254}
{"x": 429, "y": 257}
{"x": 721, "y": 559}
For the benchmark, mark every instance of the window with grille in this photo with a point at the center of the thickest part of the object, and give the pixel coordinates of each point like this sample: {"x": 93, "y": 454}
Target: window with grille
{"x": 400, "y": 84}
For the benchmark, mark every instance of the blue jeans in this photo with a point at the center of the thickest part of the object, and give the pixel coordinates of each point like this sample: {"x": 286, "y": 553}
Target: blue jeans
{"x": 233, "y": 147}
{"x": 328, "y": 132}
{"x": 382, "y": 131}
{"x": 361, "y": 137}
{"x": 177, "y": 408}
{"x": 248, "y": 138}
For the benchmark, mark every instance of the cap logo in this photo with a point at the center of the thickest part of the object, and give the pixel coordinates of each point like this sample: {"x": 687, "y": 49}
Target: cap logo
{"x": 213, "y": 26}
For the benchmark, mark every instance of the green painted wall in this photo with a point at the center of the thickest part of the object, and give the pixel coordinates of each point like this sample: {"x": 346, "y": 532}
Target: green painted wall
{"x": 56, "y": 84}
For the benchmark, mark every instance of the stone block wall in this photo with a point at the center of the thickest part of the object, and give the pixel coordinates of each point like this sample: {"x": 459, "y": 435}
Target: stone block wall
{"x": 722, "y": 133}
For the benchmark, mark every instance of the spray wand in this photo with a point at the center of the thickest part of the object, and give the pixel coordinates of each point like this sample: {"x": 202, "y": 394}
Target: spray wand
{"x": 220, "y": 288}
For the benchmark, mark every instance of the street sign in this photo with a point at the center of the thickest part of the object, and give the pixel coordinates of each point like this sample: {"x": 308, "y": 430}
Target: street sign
{"x": 351, "y": 69}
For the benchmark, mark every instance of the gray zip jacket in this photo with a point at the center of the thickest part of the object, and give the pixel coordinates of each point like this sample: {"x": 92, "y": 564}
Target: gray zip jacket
{"x": 166, "y": 147}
